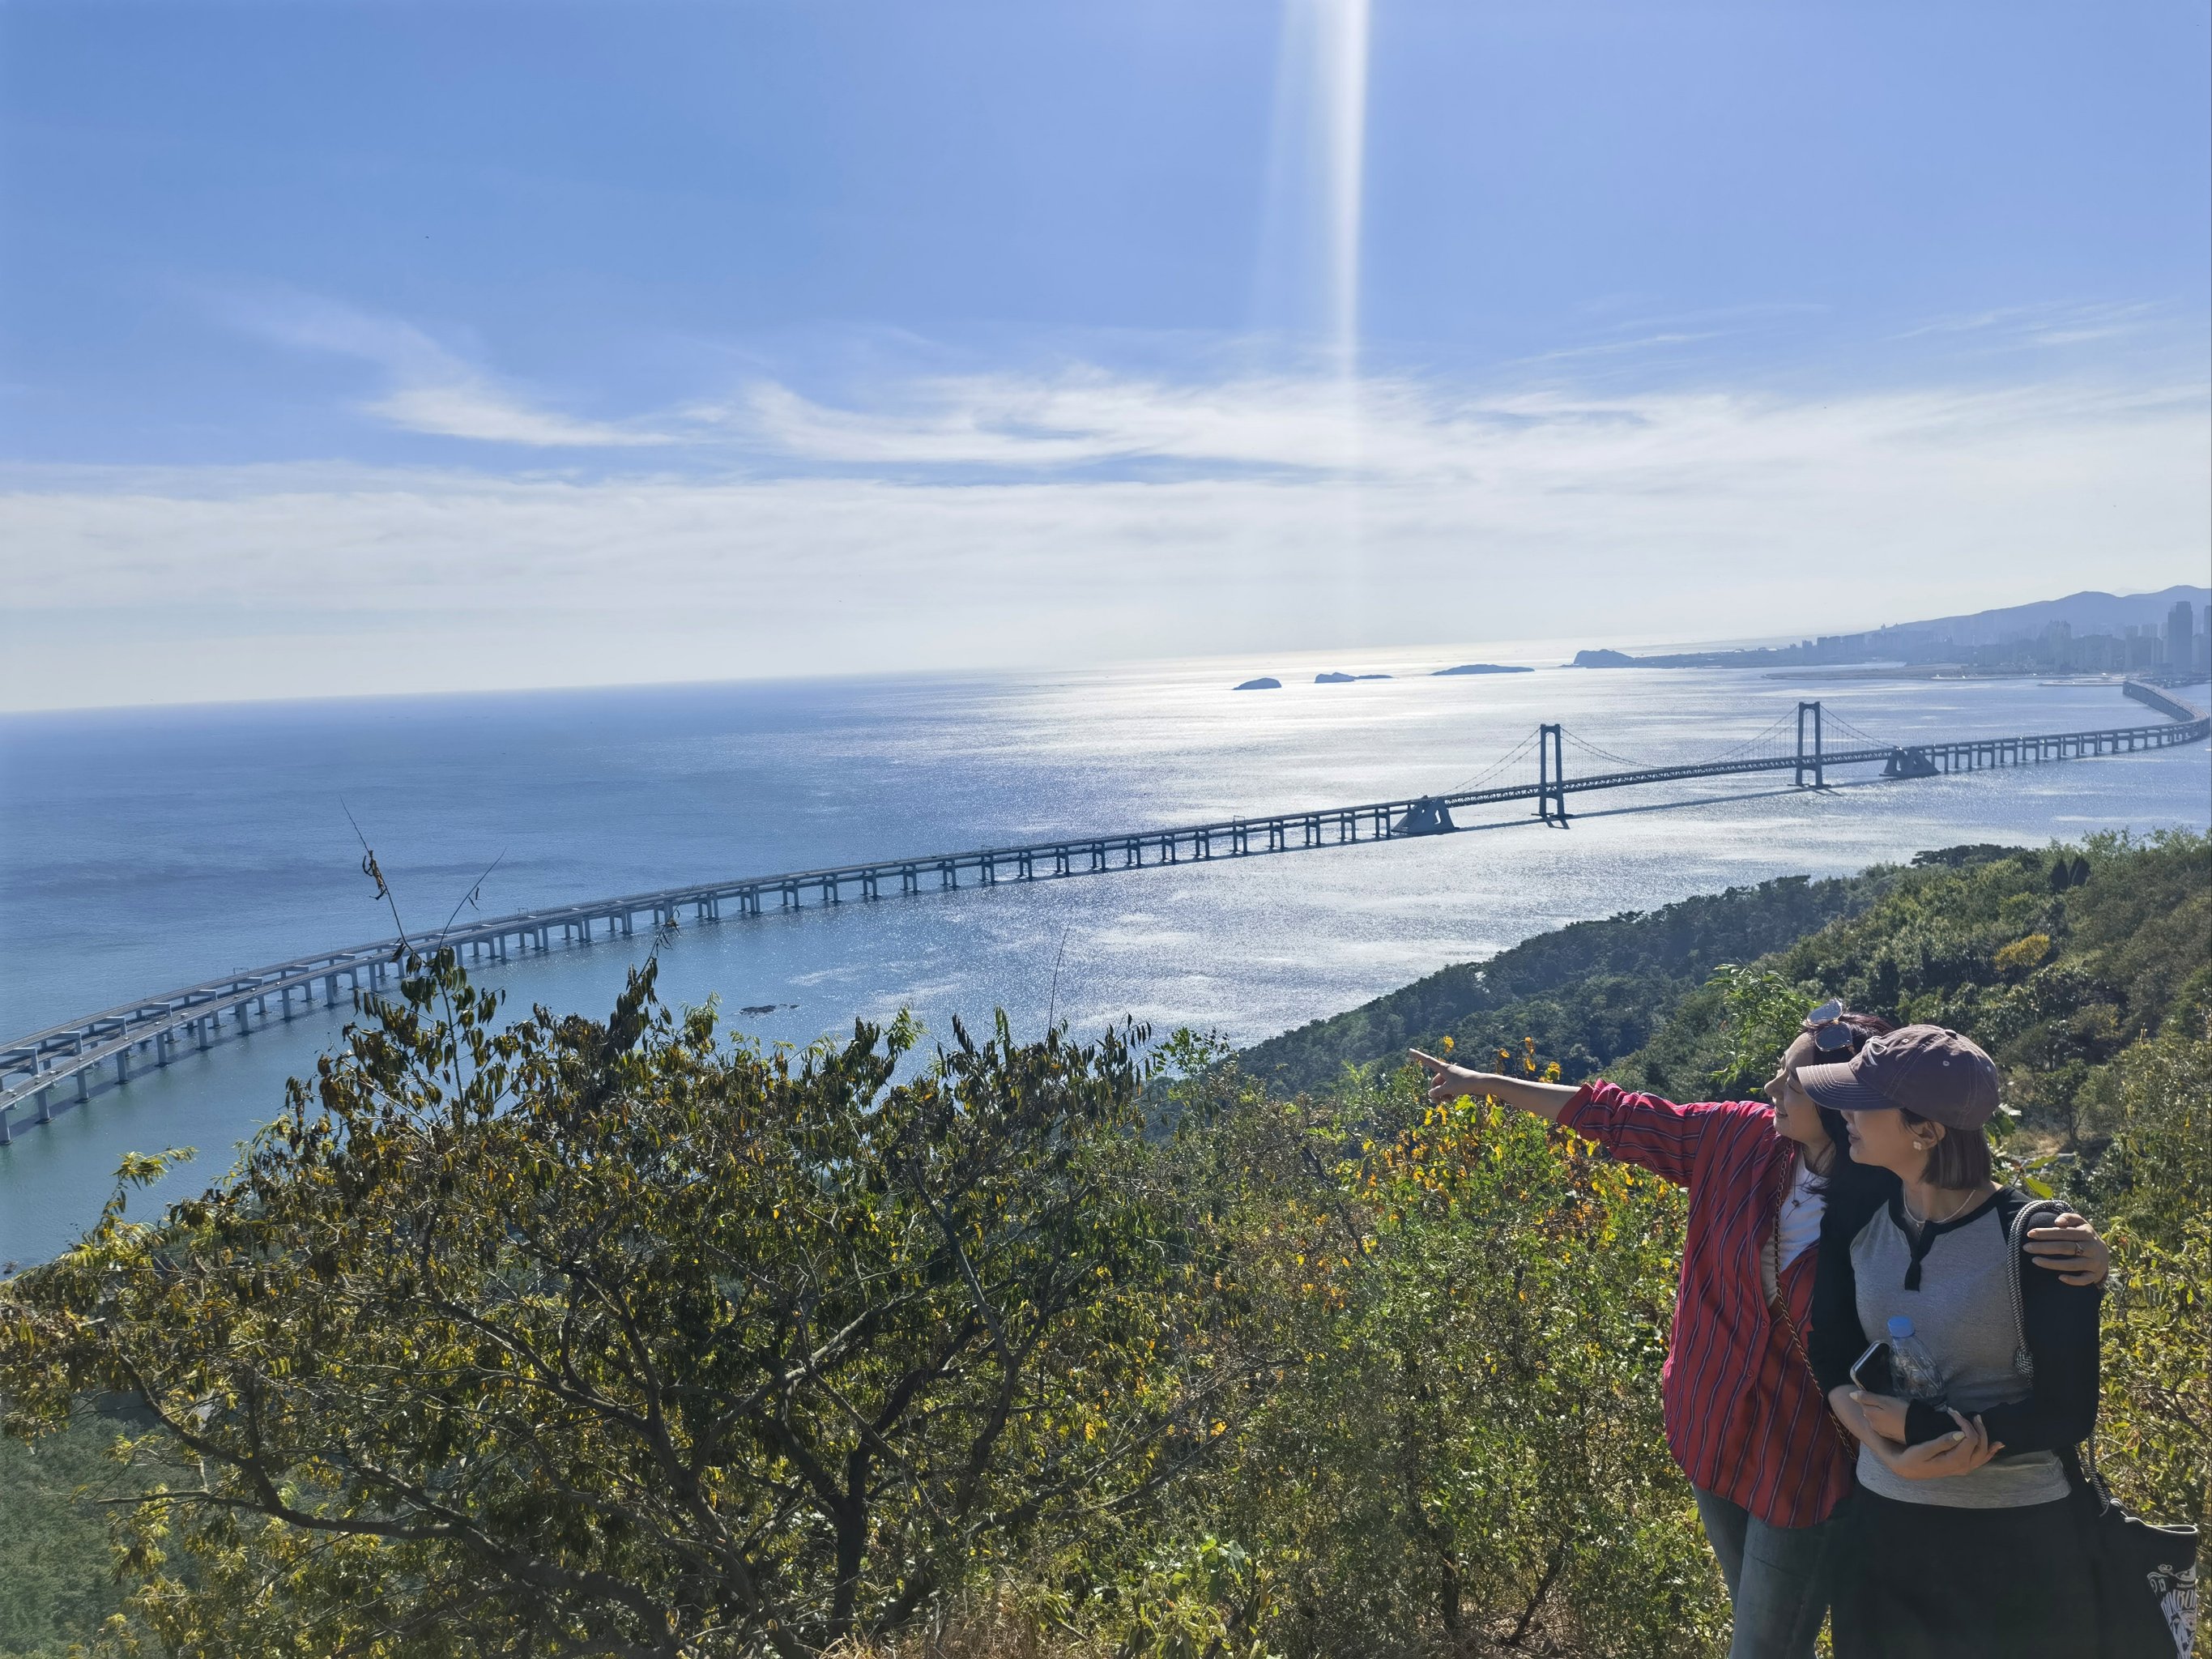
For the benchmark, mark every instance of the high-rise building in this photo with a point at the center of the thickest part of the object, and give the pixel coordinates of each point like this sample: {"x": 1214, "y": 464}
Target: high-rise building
{"x": 2181, "y": 636}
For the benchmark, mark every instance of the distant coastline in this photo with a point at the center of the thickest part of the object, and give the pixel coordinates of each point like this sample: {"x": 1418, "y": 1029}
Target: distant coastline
{"x": 2151, "y": 636}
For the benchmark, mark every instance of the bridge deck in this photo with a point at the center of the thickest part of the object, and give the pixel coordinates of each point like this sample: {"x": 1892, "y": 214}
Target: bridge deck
{"x": 33, "y": 1068}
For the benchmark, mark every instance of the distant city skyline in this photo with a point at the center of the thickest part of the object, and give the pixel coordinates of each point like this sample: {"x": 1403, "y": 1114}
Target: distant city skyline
{"x": 350, "y": 348}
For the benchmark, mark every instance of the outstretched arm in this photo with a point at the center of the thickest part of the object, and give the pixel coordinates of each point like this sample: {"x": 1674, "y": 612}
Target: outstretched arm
{"x": 1448, "y": 1082}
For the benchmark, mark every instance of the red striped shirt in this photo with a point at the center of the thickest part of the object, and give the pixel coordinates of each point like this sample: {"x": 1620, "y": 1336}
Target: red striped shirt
{"x": 1745, "y": 1418}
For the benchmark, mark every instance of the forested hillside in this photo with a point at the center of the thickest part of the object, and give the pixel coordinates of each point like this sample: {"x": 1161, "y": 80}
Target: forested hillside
{"x": 2057, "y": 962}
{"x": 1587, "y": 993}
{"x": 572, "y": 1336}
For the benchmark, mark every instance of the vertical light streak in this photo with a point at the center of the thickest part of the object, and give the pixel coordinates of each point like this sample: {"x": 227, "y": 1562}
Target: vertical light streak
{"x": 1339, "y": 70}
{"x": 1309, "y": 278}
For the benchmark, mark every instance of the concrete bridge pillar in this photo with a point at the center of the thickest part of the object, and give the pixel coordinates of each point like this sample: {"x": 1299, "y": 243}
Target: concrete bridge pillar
{"x": 1551, "y": 774}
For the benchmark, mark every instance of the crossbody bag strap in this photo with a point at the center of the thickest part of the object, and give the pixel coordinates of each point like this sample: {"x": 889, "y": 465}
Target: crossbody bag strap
{"x": 1778, "y": 1311}
{"x": 2072, "y": 1459}
{"x": 2023, "y": 1359}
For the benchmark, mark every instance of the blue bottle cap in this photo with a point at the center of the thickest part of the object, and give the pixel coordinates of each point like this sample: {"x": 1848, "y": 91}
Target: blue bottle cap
{"x": 1899, "y": 1327}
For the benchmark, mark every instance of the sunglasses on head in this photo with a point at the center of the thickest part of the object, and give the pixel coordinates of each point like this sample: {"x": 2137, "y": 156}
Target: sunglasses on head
{"x": 1826, "y": 1024}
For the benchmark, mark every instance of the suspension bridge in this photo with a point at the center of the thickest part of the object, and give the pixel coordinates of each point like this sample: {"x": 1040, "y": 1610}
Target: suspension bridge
{"x": 61, "y": 1067}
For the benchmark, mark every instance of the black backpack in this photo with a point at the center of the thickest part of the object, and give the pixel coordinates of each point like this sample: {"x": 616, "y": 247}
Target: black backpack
{"x": 2145, "y": 1574}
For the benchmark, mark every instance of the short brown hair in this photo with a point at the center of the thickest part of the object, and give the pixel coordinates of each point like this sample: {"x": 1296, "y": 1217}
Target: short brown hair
{"x": 1960, "y": 1160}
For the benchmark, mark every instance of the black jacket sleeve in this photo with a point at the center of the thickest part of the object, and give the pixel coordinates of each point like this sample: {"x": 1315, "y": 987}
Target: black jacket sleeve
{"x": 1835, "y": 1340}
{"x": 2061, "y": 1323}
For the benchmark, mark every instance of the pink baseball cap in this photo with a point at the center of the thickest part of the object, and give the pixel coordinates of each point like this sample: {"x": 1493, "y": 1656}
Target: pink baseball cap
{"x": 1923, "y": 1069}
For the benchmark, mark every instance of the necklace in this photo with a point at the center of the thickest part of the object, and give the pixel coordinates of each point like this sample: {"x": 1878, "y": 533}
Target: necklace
{"x": 1957, "y": 1210}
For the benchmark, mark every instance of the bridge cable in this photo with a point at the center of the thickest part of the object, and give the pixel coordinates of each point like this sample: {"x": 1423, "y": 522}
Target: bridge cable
{"x": 1487, "y": 773}
{"x": 1769, "y": 740}
{"x": 1604, "y": 753}
{"x": 1850, "y": 731}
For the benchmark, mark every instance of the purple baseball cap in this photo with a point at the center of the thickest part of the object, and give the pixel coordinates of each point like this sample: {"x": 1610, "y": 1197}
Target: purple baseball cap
{"x": 1925, "y": 1069}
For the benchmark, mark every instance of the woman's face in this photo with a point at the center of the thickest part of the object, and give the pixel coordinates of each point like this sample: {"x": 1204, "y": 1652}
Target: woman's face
{"x": 1795, "y": 1117}
{"x": 1883, "y": 1138}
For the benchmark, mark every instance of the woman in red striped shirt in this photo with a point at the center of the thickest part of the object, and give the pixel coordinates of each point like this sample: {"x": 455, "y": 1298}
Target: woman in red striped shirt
{"x": 1745, "y": 1417}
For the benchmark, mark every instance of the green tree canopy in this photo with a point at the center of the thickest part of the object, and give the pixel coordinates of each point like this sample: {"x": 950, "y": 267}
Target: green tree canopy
{"x": 576, "y": 1337}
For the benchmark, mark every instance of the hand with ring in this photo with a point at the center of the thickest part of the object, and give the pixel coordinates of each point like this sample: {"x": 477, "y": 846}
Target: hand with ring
{"x": 2070, "y": 1246}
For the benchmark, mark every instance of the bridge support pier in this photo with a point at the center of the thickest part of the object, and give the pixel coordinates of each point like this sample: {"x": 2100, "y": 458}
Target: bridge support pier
{"x": 1809, "y": 761}
{"x": 1551, "y": 775}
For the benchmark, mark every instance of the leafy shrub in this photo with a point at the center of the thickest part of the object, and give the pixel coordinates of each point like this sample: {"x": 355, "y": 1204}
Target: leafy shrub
{"x": 575, "y": 1337}
{"x": 575, "y": 1333}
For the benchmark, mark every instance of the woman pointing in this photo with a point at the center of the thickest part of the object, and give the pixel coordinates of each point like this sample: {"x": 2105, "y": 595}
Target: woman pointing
{"x": 1745, "y": 1417}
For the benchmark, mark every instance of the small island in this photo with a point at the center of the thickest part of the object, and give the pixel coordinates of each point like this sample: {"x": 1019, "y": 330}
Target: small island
{"x": 1334, "y": 678}
{"x": 1265, "y": 683}
{"x": 1484, "y": 668}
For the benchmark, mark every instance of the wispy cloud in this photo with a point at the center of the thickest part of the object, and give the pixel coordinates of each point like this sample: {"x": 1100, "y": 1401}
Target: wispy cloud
{"x": 2043, "y": 325}
{"x": 428, "y": 388}
{"x": 975, "y": 521}
{"x": 1409, "y": 433}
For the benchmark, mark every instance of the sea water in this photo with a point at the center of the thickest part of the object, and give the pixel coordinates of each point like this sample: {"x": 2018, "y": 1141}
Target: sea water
{"x": 145, "y": 849}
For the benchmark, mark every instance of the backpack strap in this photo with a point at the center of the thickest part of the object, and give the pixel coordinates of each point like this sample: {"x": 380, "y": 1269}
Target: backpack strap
{"x": 2023, "y": 1360}
{"x": 2080, "y": 1463}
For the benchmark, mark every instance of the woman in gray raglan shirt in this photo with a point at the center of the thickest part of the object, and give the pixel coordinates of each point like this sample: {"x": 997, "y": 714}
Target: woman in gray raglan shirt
{"x": 1967, "y": 1540}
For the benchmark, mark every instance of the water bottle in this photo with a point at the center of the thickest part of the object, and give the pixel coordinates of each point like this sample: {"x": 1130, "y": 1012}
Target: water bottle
{"x": 1912, "y": 1370}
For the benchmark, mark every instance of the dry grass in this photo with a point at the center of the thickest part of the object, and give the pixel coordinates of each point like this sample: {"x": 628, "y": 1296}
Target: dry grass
{"x": 994, "y": 1626}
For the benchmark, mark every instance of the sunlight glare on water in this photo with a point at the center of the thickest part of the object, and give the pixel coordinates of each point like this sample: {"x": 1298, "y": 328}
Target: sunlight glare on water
{"x": 149, "y": 848}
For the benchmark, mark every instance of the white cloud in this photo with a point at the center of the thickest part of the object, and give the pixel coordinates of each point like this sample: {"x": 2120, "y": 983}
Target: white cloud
{"x": 1403, "y": 431}
{"x": 430, "y": 389}
{"x": 996, "y": 519}
{"x": 463, "y": 407}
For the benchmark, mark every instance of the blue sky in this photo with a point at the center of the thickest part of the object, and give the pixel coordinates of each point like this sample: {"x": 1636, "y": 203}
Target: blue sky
{"x": 354, "y": 347}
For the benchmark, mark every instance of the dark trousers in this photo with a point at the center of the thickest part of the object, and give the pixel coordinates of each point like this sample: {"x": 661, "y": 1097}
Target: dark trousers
{"x": 1777, "y": 1579}
{"x": 1922, "y": 1581}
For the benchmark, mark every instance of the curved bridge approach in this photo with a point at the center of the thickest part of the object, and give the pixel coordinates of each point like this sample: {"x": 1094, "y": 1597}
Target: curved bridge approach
{"x": 52, "y": 1070}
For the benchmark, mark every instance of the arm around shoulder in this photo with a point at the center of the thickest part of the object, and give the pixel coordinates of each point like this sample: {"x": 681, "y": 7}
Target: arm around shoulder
{"x": 2063, "y": 1326}
{"x": 1837, "y": 1339}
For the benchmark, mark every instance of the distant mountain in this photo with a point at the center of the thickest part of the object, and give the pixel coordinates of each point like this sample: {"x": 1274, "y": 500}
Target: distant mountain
{"x": 2087, "y": 612}
{"x": 2091, "y": 631}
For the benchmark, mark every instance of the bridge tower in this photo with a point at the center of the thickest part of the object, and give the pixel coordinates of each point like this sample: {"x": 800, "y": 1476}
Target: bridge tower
{"x": 1808, "y": 760}
{"x": 1552, "y": 776}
